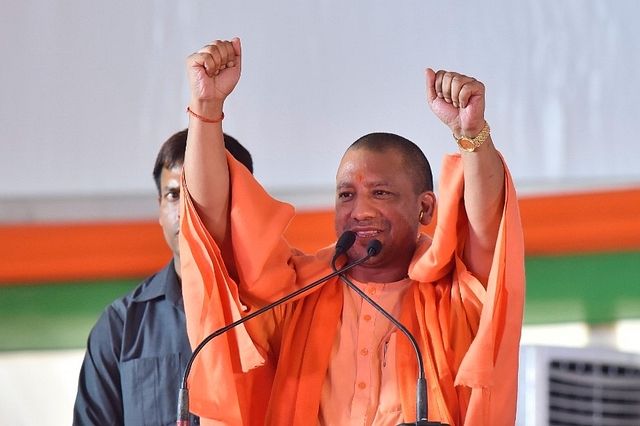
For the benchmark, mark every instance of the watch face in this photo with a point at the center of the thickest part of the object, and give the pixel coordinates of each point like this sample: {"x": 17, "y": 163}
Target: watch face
{"x": 466, "y": 144}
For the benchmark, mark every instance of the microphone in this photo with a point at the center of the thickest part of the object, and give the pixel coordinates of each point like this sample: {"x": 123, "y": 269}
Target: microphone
{"x": 373, "y": 249}
{"x": 343, "y": 244}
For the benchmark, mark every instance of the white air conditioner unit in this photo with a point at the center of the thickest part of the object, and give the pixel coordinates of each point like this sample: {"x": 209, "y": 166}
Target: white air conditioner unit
{"x": 578, "y": 387}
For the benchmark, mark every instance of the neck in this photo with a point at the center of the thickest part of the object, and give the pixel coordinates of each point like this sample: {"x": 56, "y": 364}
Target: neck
{"x": 369, "y": 274}
{"x": 176, "y": 265}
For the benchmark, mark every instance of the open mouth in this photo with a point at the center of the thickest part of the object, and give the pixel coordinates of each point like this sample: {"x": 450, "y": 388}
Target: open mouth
{"x": 367, "y": 233}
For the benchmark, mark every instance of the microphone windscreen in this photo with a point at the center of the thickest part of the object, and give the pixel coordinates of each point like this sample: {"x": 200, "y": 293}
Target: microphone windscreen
{"x": 374, "y": 247}
{"x": 345, "y": 242}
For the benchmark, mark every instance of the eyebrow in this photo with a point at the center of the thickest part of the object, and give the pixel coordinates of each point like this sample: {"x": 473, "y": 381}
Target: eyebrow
{"x": 376, "y": 184}
{"x": 170, "y": 187}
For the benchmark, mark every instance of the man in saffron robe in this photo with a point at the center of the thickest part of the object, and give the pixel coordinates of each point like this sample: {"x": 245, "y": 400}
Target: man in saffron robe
{"x": 326, "y": 357}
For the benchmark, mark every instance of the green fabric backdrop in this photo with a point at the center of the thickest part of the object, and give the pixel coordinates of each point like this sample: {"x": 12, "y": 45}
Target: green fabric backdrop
{"x": 596, "y": 288}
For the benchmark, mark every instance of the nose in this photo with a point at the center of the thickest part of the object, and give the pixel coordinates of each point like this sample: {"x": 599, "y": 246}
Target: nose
{"x": 175, "y": 213}
{"x": 363, "y": 209}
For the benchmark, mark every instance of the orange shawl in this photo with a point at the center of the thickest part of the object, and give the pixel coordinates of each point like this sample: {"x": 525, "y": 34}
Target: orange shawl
{"x": 270, "y": 370}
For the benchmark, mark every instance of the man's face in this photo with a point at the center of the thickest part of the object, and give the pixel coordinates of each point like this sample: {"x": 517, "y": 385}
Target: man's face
{"x": 169, "y": 203}
{"x": 376, "y": 199}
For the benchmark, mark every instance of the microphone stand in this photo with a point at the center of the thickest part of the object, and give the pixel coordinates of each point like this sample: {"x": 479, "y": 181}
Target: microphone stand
{"x": 344, "y": 243}
{"x": 373, "y": 248}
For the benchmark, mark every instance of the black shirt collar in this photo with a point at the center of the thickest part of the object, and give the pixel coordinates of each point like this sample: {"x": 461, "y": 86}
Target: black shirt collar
{"x": 165, "y": 283}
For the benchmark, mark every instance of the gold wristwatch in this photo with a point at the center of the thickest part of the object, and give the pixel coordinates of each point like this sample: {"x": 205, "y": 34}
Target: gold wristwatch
{"x": 469, "y": 144}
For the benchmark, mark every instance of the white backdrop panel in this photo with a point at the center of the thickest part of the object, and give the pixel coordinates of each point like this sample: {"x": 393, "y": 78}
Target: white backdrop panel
{"x": 91, "y": 89}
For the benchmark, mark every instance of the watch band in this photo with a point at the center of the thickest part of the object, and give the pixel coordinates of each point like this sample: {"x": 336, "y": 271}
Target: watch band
{"x": 470, "y": 145}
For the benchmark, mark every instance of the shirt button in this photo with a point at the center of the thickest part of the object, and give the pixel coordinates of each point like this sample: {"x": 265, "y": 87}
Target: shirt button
{"x": 362, "y": 385}
{"x": 364, "y": 351}
{"x": 372, "y": 290}
{"x": 367, "y": 317}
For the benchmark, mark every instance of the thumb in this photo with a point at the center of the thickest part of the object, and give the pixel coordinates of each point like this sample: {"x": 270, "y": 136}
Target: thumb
{"x": 237, "y": 47}
{"x": 431, "y": 85}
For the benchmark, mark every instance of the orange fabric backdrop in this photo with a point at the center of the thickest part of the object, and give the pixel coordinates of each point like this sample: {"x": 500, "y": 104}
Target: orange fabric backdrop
{"x": 557, "y": 224}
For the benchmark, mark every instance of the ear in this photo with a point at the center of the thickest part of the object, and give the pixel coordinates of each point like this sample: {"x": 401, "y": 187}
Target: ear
{"x": 428, "y": 207}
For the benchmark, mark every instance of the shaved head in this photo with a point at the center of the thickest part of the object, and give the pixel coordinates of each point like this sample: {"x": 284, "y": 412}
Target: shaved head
{"x": 412, "y": 156}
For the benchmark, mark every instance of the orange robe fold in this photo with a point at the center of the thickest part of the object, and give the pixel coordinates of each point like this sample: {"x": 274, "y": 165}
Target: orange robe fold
{"x": 270, "y": 370}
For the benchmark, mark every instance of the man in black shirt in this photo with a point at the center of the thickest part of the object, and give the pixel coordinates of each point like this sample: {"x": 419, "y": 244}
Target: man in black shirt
{"x": 138, "y": 349}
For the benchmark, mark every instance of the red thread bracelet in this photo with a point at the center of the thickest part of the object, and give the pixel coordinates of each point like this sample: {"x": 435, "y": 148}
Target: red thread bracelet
{"x": 205, "y": 119}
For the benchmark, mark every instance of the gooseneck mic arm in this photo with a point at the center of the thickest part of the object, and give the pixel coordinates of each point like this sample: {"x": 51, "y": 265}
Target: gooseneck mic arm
{"x": 343, "y": 244}
{"x": 373, "y": 248}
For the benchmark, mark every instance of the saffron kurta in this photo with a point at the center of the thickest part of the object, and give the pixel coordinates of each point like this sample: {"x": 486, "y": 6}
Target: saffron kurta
{"x": 468, "y": 333}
